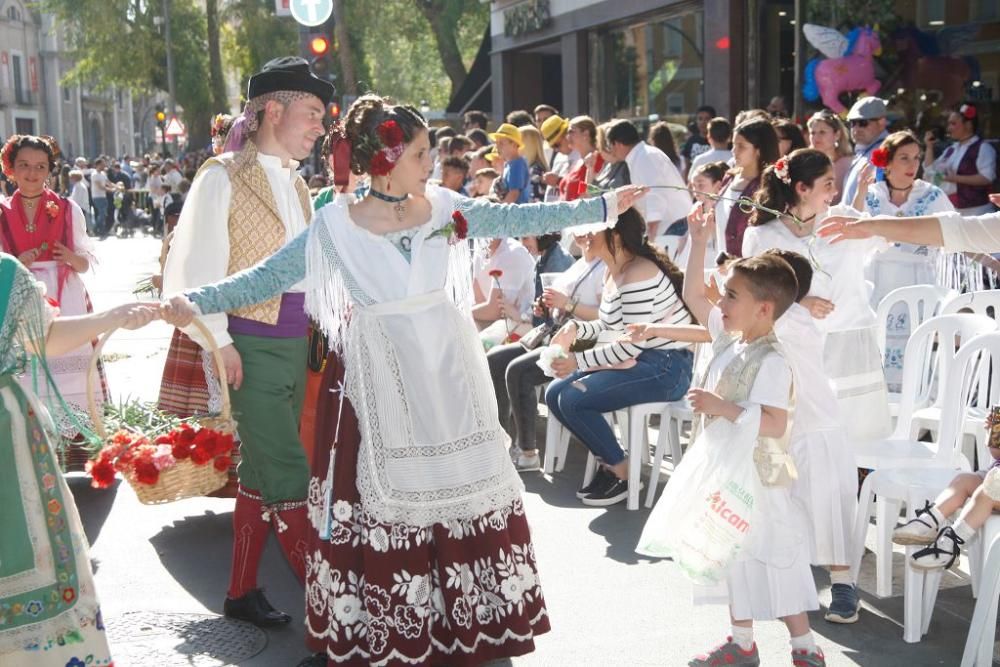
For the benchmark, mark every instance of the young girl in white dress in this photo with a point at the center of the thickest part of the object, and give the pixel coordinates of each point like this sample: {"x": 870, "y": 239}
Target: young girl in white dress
{"x": 802, "y": 184}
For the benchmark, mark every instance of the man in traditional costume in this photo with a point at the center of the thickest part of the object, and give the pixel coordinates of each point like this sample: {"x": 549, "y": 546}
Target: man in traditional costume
{"x": 243, "y": 206}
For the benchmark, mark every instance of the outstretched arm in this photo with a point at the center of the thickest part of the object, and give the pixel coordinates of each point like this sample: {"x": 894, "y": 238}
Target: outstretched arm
{"x": 699, "y": 226}
{"x": 69, "y": 333}
{"x": 259, "y": 283}
{"x": 491, "y": 220}
{"x": 924, "y": 230}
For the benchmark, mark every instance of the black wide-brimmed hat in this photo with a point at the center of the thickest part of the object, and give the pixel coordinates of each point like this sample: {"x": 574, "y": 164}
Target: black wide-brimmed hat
{"x": 289, "y": 73}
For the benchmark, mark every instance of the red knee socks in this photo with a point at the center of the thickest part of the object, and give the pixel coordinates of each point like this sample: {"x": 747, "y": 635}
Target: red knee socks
{"x": 292, "y": 532}
{"x": 249, "y": 537}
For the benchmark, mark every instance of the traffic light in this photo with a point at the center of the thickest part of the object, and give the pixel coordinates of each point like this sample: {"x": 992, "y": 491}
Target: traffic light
{"x": 161, "y": 122}
{"x": 319, "y": 45}
{"x": 334, "y": 110}
{"x": 320, "y": 55}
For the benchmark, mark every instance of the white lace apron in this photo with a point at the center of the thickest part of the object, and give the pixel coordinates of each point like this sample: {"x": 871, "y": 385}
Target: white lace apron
{"x": 432, "y": 448}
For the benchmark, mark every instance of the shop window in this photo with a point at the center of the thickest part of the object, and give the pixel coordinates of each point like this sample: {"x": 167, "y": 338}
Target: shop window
{"x": 650, "y": 67}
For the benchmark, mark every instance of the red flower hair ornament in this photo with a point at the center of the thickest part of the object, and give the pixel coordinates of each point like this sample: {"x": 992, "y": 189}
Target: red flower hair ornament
{"x": 968, "y": 111}
{"x": 880, "y": 157}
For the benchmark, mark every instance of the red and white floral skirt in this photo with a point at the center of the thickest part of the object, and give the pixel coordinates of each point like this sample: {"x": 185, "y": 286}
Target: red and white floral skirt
{"x": 455, "y": 594}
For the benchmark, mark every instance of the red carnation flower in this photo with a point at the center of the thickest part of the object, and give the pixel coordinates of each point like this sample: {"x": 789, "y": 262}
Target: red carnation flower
{"x": 461, "y": 225}
{"x": 185, "y": 435}
{"x": 390, "y": 133}
{"x": 224, "y": 444}
{"x": 102, "y": 473}
{"x": 880, "y": 157}
{"x": 165, "y": 439}
{"x": 968, "y": 111}
{"x": 381, "y": 166}
{"x": 201, "y": 454}
{"x": 146, "y": 471}
{"x": 222, "y": 463}
{"x": 496, "y": 273}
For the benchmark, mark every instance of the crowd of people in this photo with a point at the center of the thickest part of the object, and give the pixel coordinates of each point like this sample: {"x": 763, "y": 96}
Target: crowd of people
{"x": 450, "y": 280}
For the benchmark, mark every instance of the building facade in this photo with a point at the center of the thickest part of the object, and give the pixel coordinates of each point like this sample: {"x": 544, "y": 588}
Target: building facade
{"x": 34, "y": 99}
{"x": 647, "y": 59}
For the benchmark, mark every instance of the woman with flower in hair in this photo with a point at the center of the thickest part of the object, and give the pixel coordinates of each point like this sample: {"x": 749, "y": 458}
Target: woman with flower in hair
{"x": 48, "y": 234}
{"x": 900, "y": 193}
{"x": 420, "y": 549}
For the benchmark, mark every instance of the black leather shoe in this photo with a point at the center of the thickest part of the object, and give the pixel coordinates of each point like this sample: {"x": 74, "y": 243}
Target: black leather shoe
{"x": 254, "y": 608}
{"x": 315, "y": 660}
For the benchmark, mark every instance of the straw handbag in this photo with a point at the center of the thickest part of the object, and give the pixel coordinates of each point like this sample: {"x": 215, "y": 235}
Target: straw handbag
{"x": 185, "y": 478}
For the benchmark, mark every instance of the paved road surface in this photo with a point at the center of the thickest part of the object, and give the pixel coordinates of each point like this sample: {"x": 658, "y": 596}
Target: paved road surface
{"x": 608, "y": 606}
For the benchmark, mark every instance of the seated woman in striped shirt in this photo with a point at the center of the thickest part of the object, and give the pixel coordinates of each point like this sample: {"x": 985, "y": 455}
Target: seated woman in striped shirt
{"x": 641, "y": 284}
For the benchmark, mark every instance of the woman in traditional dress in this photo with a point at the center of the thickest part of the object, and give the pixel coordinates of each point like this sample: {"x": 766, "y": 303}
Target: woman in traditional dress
{"x": 48, "y": 234}
{"x": 421, "y": 553}
{"x": 902, "y": 194}
{"x": 49, "y": 612}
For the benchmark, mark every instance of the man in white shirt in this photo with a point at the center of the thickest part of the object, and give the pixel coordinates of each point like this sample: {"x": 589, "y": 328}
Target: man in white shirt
{"x": 242, "y": 208}
{"x": 720, "y": 131}
{"x": 516, "y": 280}
{"x": 171, "y": 174}
{"x": 79, "y": 194}
{"x": 649, "y": 166}
{"x": 99, "y": 194}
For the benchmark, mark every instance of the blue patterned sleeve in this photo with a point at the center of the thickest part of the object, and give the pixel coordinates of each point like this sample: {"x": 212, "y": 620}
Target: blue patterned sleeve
{"x": 491, "y": 220}
{"x": 259, "y": 283}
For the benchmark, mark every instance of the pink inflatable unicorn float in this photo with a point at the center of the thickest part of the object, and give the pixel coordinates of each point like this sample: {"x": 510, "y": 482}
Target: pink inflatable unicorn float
{"x": 848, "y": 67}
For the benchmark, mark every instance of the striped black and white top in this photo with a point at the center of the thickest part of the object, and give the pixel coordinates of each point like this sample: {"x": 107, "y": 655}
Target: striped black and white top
{"x": 651, "y": 300}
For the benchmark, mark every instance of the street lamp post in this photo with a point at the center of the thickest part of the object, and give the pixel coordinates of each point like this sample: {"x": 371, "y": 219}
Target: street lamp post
{"x": 170, "y": 68}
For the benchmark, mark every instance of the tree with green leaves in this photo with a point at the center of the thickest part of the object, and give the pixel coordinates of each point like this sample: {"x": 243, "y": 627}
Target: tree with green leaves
{"x": 121, "y": 43}
{"x": 253, "y": 35}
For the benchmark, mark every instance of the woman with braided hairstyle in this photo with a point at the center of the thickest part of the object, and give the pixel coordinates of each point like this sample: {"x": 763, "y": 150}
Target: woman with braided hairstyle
{"x": 421, "y": 551}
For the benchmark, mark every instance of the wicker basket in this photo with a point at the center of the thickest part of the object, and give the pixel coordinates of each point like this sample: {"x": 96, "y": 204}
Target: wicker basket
{"x": 186, "y": 479}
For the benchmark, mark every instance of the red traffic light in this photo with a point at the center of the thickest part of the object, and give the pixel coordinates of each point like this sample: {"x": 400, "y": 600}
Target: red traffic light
{"x": 334, "y": 110}
{"x": 319, "y": 45}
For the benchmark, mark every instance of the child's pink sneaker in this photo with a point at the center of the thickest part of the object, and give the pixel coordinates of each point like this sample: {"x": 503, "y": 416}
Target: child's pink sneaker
{"x": 728, "y": 654}
{"x": 805, "y": 658}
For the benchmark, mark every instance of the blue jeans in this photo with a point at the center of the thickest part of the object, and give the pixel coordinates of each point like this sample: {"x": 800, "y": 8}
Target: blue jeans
{"x": 580, "y": 400}
{"x": 100, "y": 214}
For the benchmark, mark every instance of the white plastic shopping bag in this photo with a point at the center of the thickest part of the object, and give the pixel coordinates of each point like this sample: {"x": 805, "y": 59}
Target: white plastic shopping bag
{"x": 707, "y": 511}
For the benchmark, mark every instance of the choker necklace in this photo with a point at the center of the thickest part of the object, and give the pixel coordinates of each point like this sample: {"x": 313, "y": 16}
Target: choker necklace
{"x": 400, "y": 205}
{"x": 26, "y": 197}
{"x": 804, "y": 220}
{"x": 891, "y": 187}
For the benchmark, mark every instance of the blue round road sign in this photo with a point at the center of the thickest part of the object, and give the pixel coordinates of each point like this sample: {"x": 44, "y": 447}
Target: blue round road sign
{"x": 311, "y": 12}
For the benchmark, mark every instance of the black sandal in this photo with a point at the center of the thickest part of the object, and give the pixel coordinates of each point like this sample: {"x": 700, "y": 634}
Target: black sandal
{"x": 935, "y": 550}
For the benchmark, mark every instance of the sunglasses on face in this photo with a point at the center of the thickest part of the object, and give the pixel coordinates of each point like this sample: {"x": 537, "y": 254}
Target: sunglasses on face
{"x": 863, "y": 122}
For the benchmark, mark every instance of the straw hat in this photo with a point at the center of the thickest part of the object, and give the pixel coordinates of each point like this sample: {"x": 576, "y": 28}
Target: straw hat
{"x": 508, "y": 131}
{"x": 554, "y": 128}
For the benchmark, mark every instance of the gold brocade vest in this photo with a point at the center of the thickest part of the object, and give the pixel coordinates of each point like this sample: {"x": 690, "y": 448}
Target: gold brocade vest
{"x": 255, "y": 228}
{"x": 775, "y": 466}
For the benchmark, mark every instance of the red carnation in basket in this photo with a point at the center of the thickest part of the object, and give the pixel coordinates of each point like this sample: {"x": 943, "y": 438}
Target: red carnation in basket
{"x": 380, "y": 166}
{"x": 222, "y": 463}
{"x": 880, "y": 157}
{"x": 102, "y": 472}
{"x": 390, "y": 133}
{"x": 201, "y": 453}
{"x": 146, "y": 471}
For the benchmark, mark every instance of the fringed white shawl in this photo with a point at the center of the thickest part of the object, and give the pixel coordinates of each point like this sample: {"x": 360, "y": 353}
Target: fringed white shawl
{"x": 432, "y": 449}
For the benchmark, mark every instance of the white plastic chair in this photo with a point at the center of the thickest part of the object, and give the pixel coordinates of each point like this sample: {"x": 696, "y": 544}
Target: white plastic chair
{"x": 903, "y": 451}
{"x": 632, "y": 427}
{"x": 922, "y": 302}
{"x": 983, "y": 302}
{"x": 913, "y": 485}
{"x": 982, "y": 628}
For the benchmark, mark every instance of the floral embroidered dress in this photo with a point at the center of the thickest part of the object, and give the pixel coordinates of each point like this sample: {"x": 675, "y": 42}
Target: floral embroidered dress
{"x": 49, "y": 613}
{"x": 56, "y": 220}
{"x": 907, "y": 264}
{"x": 421, "y": 551}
